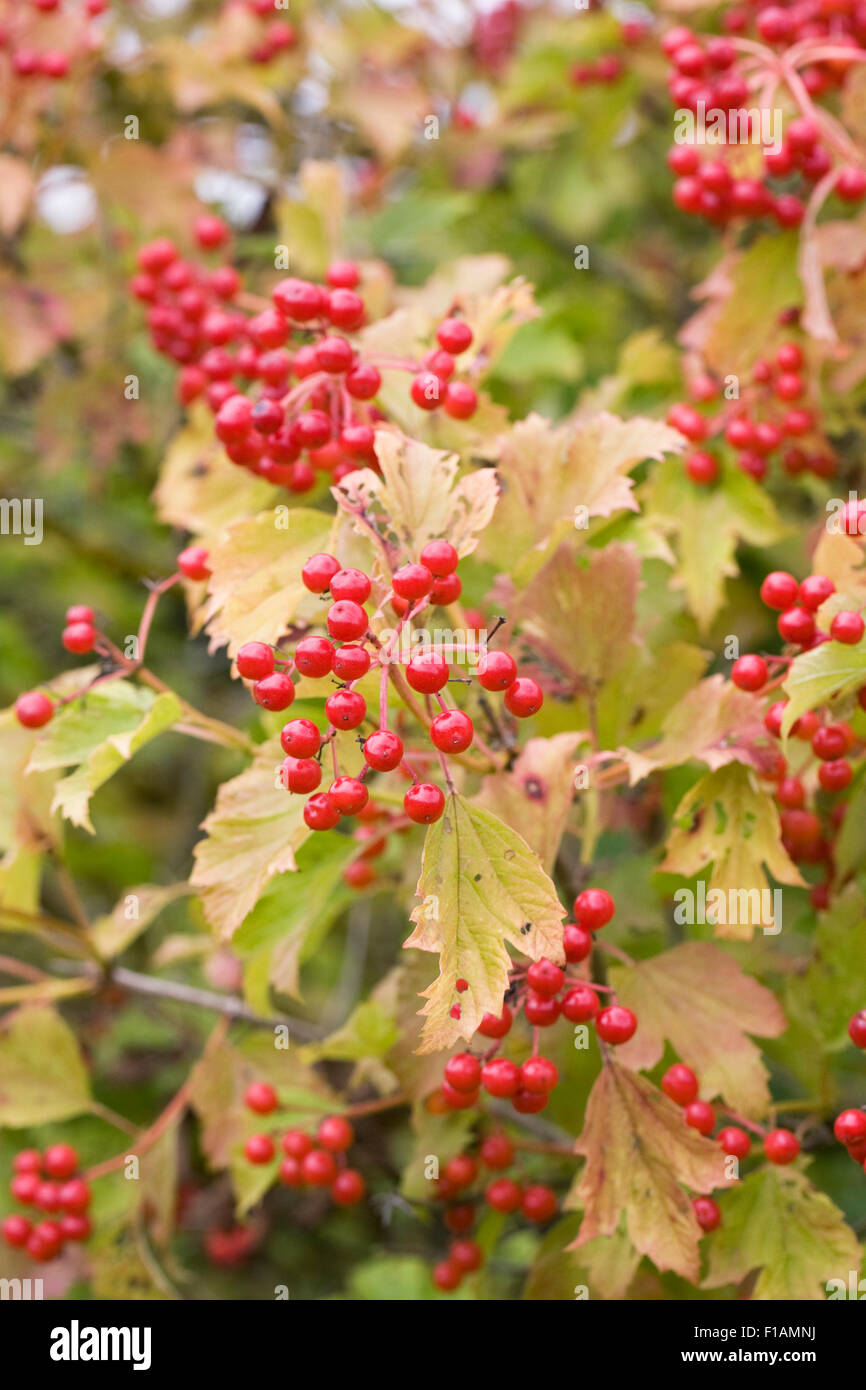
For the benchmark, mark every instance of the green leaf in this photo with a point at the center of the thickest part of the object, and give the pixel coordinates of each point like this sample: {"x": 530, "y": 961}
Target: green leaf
{"x": 775, "y": 1221}
{"x": 726, "y": 821}
{"x": 296, "y": 909}
{"x": 480, "y": 887}
{"x": 251, "y": 834}
{"x": 96, "y": 735}
{"x": 831, "y": 990}
{"x": 42, "y": 1072}
{"x": 832, "y": 669}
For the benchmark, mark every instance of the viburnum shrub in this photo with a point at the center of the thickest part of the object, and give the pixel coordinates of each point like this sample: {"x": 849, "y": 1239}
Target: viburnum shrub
{"x": 435, "y": 754}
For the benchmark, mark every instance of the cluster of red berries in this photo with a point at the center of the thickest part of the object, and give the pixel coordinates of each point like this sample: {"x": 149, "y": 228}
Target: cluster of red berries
{"x": 608, "y": 68}
{"x": 771, "y": 418}
{"x": 850, "y": 1127}
{"x": 34, "y": 708}
{"x": 680, "y": 1084}
{"x": 285, "y": 433}
{"x": 544, "y": 992}
{"x": 841, "y": 23}
{"x": 19, "y": 34}
{"x": 306, "y": 1162}
{"x": 495, "y": 34}
{"x": 48, "y": 1183}
{"x": 278, "y": 36}
{"x": 706, "y": 78}
{"x": 534, "y": 1201}
{"x": 348, "y": 653}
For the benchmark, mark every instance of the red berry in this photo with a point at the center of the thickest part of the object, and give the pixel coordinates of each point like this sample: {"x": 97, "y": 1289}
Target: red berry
{"x": 538, "y": 1204}
{"x": 193, "y": 562}
{"x": 577, "y": 942}
{"x": 781, "y": 1146}
{"x": 427, "y": 672}
{"x": 847, "y": 627}
{"x": 463, "y": 1072}
{"x": 319, "y": 1168}
{"x": 496, "y": 670}
{"x": 289, "y": 1172}
{"x": 615, "y": 1024}
{"x": 580, "y": 1004}
{"x": 424, "y": 803}
{"x": 347, "y": 621}
{"x": 540, "y": 1010}
{"x": 363, "y": 381}
{"x": 796, "y": 625}
{"x": 523, "y": 697}
{"x": 300, "y": 738}
{"x": 850, "y": 1126}
{"x": 300, "y": 775}
{"x": 815, "y": 590}
{"x": 459, "y": 1100}
{"x": 538, "y": 1075}
{"x": 545, "y": 977}
{"x": 454, "y": 335}
{"x": 497, "y": 1150}
{"x": 447, "y": 1275}
{"x": 33, "y": 709}
{"x": 452, "y": 731}
{"x": 857, "y": 1029}
{"x": 749, "y": 673}
{"x": 27, "y": 1161}
{"x": 829, "y": 742}
{"x": 351, "y": 663}
{"x": 702, "y": 467}
{"x": 707, "y": 1213}
{"x": 412, "y": 582}
{"x": 467, "y": 1255}
{"x": 383, "y": 751}
{"x": 735, "y": 1141}
{"x": 75, "y": 1195}
{"x": 274, "y": 692}
{"x": 348, "y": 1188}
{"x": 349, "y": 795}
{"x": 314, "y": 656}
{"x": 320, "y": 813}
{"x": 461, "y": 1217}
{"x": 298, "y": 299}
{"x": 259, "y": 1148}
{"x": 496, "y": 1025}
{"x": 261, "y": 1098}
{"x": 439, "y": 557}
{"x": 700, "y": 1116}
{"x": 501, "y": 1078}
{"x": 461, "y": 400}
{"x": 78, "y": 638}
{"x": 851, "y": 183}
{"x": 779, "y": 590}
{"x": 836, "y": 775}
{"x": 318, "y": 572}
{"x": 346, "y": 709}
{"x": 75, "y": 1226}
{"x": 350, "y": 584}
{"x": 15, "y": 1230}
{"x": 60, "y": 1161}
{"x": 345, "y": 309}
{"x": 504, "y": 1195}
{"x": 335, "y": 1133}
{"x": 593, "y": 908}
{"x": 426, "y": 390}
{"x": 255, "y": 660}
{"x": 296, "y": 1143}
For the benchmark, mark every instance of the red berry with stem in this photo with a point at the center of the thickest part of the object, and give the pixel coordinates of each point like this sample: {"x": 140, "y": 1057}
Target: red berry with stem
{"x": 424, "y": 803}
{"x": 27, "y": 1161}
{"x": 540, "y": 1010}
{"x": 702, "y": 468}
{"x": 749, "y": 673}
{"x": 463, "y": 1072}
{"x": 815, "y": 590}
{"x": 348, "y": 1188}
{"x": 426, "y": 390}
{"x": 545, "y": 977}
{"x": 335, "y": 1133}
{"x": 15, "y": 1230}
{"x": 497, "y": 1150}
{"x": 60, "y": 1161}
{"x": 383, "y": 751}
{"x": 296, "y": 1143}
{"x": 193, "y": 562}
{"x": 615, "y": 1024}
{"x": 496, "y": 670}
{"x": 454, "y": 335}
{"x": 363, "y": 382}
{"x": 261, "y": 1098}
{"x": 447, "y": 1275}
{"x": 255, "y": 660}
{"x": 346, "y": 709}
{"x": 349, "y": 795}
{"x": 447, "y": 588}
{"x": 829, "y": 741}
{"x": 707, "y": 1213}
{"x": 452, "y": 731}
{"x": 467, "y": 1255}
{"x": 75, "y": 1195}
{"x": 33, "y": 710}
{"x": 461, "y": 400}
{"x": 350, "y": 584}
{"x": 274, "y": 692}
{"x": 259, "y": 1148}
{"x": 350, "y": 663}
{"x": 835, "y": 776}
{"x": 796, "y": 625}
{"x": 78, "y": 638}
{"x": 24, "y": 1187}
{"x": 347, "y": 621}
{"x": 523, "y": 697}
{"x": 460, "y": 1171}
{"x": 781, "y": 1146}
{"x": 594, "y": 908}
{"x": 700, "y": 1116}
